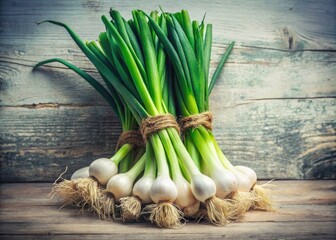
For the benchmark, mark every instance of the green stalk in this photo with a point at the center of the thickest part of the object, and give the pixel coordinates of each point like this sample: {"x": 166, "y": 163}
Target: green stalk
{"x": 187, "y": 86}
{"x": 170, "y": 100}
{"x": 125, "y": 164}
{"x": 171, "y": 154}
{"x": 155, "y": 16}
{"x": 182, "y": 152}
{"x": 121, "y": 153}
{"x": 225, "y": 162}
{"x": 197, "y": 83}
{"x": 119, "y": 23}
{"x": 206, "y": 61}
{"x": 160, "y": 156}
{"x": 93, "y": 82}
{"x": 121, "y": 69}
{"x": 99, "y": 53}
{"x": 134, "y": 41}
{"x": 133, "y": 69}
{"x": 96, "y": 49}
{"x": 209, "y": 156}
{"x": 187, "y": 27}
{"x": 200, "y": 64}
{"x": 131, "y": 100}
{"x": 193, "y": 151}
{"x": 153, "y": 85}
{"x": 178, "y": 16}
{"x": 138, "y": 167}
{"x": 175, "y": 60}
{"x": 207, "y": 44}
{"x": 135, "y": 24}
{"x": 195, "y": 64}
{"x": 206, "y": 135}
{"x": 181, "y": 106}
{"x": 220, "y": 66}
{"x": 117, "y": 98}
{"x": 105, "y": 46}
{"x": 160, "y": 53}
{"x": 150, "y": 167}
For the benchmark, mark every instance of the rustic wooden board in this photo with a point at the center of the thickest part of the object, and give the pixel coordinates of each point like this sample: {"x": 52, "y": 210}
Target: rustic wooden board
{"x": 301, "y": 147}
{"x": 27, "y": 213}
{"x": 274, "y": 105}
{"x": 58, "y": 137}
{"x": 250, "y": 74}
{"x": 260, "y": 23}
{"x": 281, "y": 139}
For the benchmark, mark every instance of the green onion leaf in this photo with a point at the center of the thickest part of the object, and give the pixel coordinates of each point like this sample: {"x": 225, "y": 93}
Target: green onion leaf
{"x": 220, "y": 66}
{"x": 93, "y": 82}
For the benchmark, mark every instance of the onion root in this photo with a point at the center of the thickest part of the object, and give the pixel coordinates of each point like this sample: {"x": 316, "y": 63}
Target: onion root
{"x": 165, "y": 214}
{"x": 130, "y": 208}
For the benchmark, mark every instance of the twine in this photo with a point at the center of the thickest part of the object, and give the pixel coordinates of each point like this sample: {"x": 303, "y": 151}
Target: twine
{"x": 151, "y": 125}
{"x": 132, "y": 137}
{"x": 193, "y": 121}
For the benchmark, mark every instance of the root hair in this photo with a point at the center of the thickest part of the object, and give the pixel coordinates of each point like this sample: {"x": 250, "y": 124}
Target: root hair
{"x": 106, "y": 206}
{"x": 220, "y": 211}
{"x": 261, "y": 198}
{"x": 130, "y": 208}
{"x": 67, "y": 192}
{"x": 165, "y": 214}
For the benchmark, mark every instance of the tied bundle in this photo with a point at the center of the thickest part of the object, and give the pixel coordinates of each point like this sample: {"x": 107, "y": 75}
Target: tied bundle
{"x": 165, "y": 169}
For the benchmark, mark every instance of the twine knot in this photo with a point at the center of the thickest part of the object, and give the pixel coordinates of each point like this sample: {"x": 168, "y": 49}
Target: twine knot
{"x": 153, "y": 124}
{"x": 132, "y": 137}
{"x": 193, "y": 121}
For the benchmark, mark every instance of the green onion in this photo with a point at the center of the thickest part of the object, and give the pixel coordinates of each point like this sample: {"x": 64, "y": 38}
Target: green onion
{"x": 151, "y": 65}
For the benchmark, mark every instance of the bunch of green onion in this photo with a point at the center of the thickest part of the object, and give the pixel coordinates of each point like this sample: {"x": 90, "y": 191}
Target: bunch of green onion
{"x": 188, "y": 45}
{"x": 156, "y": 66}
{"x": 86, "y": 187}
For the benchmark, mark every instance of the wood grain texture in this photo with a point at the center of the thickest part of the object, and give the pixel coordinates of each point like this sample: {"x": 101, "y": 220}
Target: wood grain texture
{"x": 260, "y": 23}
{"x": 27, "y": 213}
{"x": 274, "y": 104}
{"x": 57, "y": 137}
{"x": 280, "y": 139}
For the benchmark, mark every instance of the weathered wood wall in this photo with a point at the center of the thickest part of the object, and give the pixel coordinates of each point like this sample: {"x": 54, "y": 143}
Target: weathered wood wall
{"x": 274, "y": 105}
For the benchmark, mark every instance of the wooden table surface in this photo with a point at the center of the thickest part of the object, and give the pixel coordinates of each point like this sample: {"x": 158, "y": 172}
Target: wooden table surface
{"x": 305, "y": 210}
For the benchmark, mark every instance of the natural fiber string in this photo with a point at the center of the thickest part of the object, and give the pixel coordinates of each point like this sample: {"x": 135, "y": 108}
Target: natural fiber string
{"x": 151, "y": 125}
{"x": 132, "y": 137}
{"x": 193, "y": 121}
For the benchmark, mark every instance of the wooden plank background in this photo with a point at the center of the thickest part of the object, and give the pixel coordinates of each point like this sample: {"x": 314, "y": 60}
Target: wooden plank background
{"x": 274, "y": 104}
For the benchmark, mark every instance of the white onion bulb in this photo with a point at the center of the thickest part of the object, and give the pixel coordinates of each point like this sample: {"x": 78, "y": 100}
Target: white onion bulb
{"x": 142, "y": 189}
{"x": 163, "y": 190}
{"x": 185, "y": 196}
{"x": 120, "y": 186}
{"x": 244, "y": 182}
{"x": 202, "y": 187}
{"x": 226, "y": 182}
{"x": 103, "y": 169}
{"x": 81, "y": 173}
{"x": 249, "y": 172}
